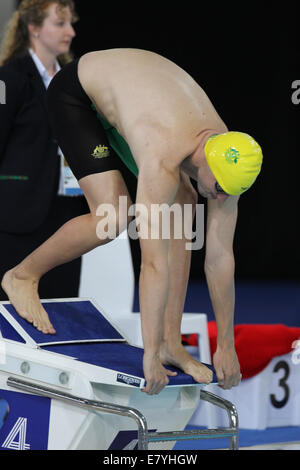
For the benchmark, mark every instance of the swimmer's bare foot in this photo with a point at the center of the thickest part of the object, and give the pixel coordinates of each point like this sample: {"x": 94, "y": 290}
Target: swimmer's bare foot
{"x": 23, "y": 295}
{"x": 176, "y": 355}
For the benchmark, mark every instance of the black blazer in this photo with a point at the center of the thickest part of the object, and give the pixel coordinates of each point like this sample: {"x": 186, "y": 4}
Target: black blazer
{"x": 29, "y": 164}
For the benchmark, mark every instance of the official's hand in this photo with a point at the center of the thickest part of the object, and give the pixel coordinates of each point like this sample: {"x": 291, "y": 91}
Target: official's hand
{"x": 227, "y": 367}
{"x": 156, "y": 375}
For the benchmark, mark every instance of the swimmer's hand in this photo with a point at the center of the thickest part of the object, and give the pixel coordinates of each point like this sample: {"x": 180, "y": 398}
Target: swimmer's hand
{"x": 156, "y": 375}
{"x": 227, "y": 367}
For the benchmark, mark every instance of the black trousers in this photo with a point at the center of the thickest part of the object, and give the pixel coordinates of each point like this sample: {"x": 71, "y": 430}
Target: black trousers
{"x": 62, "y": 281}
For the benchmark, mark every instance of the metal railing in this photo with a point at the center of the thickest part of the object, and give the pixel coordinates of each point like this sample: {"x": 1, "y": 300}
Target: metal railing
{"x": 144, "y": 437}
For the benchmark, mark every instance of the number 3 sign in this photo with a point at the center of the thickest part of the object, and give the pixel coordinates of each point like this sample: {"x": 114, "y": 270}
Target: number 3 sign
{"x": 269, "y": 399}
{"x": 284, "y": 397}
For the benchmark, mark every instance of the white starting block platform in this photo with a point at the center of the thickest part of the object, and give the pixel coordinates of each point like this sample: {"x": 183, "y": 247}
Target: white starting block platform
{"x": 81, "y": 388}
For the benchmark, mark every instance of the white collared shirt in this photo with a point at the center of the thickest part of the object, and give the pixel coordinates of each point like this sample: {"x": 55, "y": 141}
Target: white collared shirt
{"x": 42, "y": 69}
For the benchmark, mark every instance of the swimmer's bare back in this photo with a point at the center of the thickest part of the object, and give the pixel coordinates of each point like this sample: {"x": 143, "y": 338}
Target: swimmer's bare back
{"x": 151, "y": 101}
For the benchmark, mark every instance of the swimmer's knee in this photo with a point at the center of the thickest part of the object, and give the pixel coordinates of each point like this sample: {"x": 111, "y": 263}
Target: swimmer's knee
{"x": 123, "y": 220}
{"x": 122, "y": 217}
{"x": 109, "y": 221}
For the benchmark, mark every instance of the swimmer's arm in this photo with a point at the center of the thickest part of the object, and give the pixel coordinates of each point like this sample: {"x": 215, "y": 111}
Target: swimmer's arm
{"x": 219, "y": 271}
{"x": 219, "y": 262}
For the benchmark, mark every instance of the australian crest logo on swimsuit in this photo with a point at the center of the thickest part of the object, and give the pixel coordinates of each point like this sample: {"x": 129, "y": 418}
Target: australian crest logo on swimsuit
{"x": 232, "y": 155}
{"x": 100, "y": 151}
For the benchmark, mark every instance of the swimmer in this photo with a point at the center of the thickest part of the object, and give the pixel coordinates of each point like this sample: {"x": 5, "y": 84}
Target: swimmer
{"x": 140, "y": 107}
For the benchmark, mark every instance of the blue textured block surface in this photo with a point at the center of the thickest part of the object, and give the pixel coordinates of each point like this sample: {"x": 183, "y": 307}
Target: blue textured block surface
{"x": 73, "y": 321}
{"x": 80, "y": 328}
{"x": 117, "y": 356}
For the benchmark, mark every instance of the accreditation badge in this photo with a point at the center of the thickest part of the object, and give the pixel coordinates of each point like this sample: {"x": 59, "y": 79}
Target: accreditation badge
{"x": 68, "y": 185}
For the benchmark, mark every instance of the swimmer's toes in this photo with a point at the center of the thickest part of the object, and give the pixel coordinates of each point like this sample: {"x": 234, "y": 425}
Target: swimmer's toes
{"x": 202, "y": 376}
{"x": 209, "y": 377}
{"x": 47, "y": 326}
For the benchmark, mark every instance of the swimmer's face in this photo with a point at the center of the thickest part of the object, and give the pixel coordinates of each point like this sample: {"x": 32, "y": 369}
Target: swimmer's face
{"x": 208, "y": 186}
{"x": 56, "y": 33}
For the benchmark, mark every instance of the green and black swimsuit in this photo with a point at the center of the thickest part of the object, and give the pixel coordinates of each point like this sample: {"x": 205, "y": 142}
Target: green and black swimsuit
{"x": 89, "y": 143}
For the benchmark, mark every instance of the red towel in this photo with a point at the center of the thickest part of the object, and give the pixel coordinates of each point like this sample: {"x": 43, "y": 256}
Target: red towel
{"x": 255, "y": 345}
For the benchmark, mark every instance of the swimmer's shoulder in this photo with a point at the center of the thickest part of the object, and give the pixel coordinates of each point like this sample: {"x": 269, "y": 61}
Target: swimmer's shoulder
{"x": 105, "y": 66}
{"x": 98, "y": 64}
{"x": 118, "y": 57}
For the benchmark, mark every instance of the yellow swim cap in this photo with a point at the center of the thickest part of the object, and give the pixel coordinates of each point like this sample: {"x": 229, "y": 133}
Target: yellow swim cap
{"x": 235, "y": 159}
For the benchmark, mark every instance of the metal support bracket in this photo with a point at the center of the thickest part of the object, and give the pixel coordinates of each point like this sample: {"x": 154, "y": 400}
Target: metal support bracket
{"x": 144, "y": 437}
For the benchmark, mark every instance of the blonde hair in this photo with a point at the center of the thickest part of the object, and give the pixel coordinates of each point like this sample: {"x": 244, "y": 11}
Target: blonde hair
{"x": 16, "y": 41}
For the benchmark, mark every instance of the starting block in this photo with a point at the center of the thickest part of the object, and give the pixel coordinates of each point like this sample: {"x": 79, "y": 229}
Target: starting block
{"x": 81, "y": 388}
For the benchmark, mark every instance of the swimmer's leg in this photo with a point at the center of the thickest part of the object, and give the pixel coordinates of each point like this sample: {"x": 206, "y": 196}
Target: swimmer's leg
{"x": 172, "y": 351}
{"x": 72, "y": 240}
